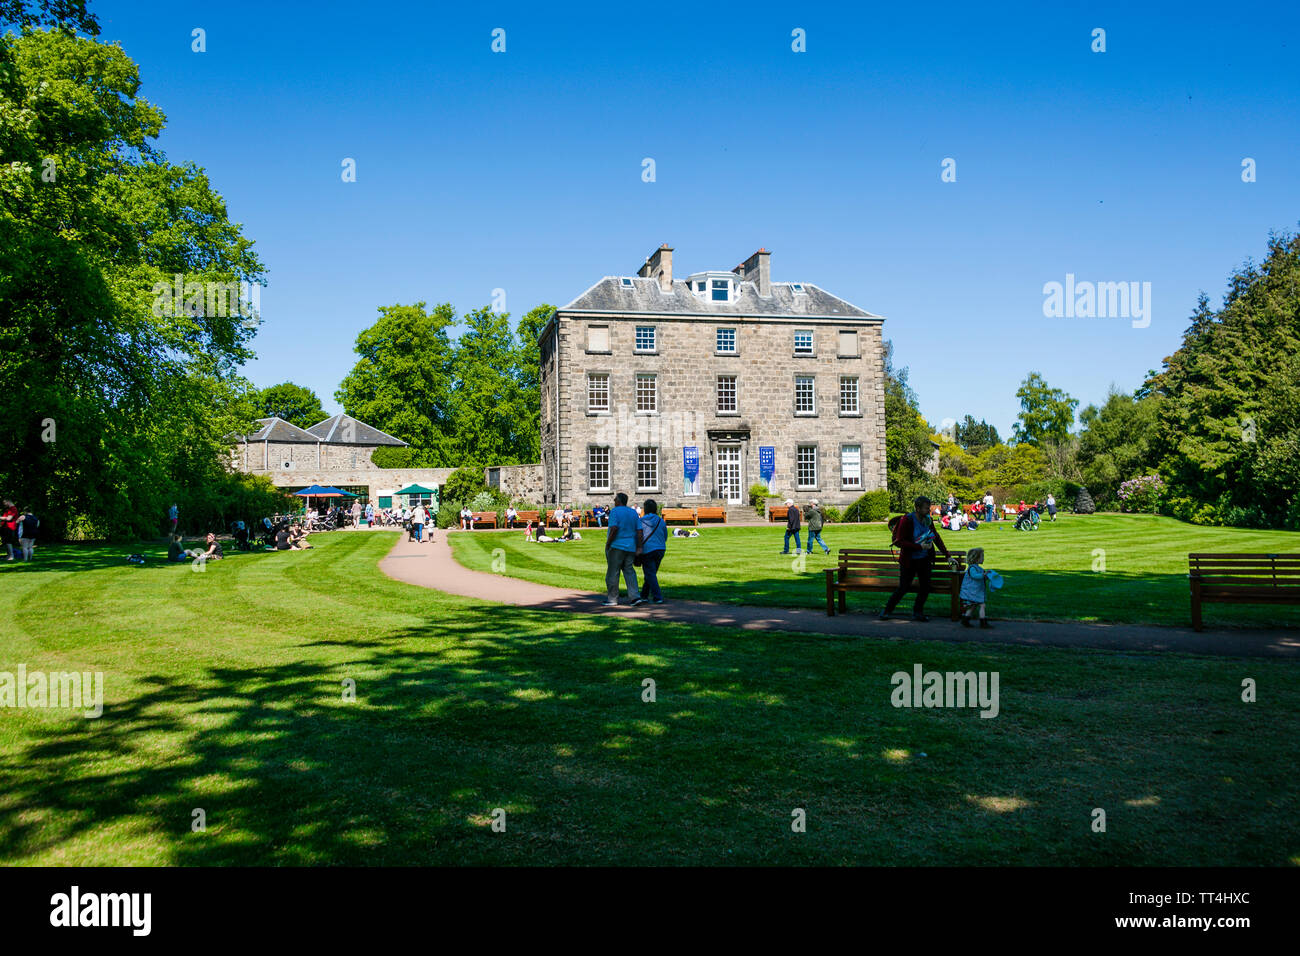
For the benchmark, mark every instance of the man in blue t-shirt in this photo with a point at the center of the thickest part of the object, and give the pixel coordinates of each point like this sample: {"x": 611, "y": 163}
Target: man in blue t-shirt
{"x": 620, "y": 550}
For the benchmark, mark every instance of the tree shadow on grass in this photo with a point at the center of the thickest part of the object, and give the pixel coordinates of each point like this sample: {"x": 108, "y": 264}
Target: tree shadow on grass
{"x": 1109, "y": 597}
{"x": 491, "y": 708}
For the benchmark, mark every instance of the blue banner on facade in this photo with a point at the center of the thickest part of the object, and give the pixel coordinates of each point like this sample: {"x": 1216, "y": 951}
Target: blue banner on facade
{"x": 766, "y": 462}
{"x": 690, "y": 463}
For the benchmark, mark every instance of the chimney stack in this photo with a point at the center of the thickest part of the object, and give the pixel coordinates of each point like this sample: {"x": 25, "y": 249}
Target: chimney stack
{"x": 758, "y": 270}
{"x": 660, "y": 266}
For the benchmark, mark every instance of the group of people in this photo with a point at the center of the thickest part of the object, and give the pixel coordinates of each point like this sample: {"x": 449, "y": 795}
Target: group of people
{"x": 634, "y": 540}
{"x": 916, "y": 538}
{"x": 794, "y": 520}
{"x": 18, "y": 531}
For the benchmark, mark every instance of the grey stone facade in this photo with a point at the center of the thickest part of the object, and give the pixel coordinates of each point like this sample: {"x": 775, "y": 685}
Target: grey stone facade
{"x": 787, "y": 389}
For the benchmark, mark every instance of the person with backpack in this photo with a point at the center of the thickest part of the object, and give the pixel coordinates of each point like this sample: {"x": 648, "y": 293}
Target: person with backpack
{"x": 816, "y": 519}
{"x": 654, "y": 537}
{"x": 915, "y": 537}
{"x": 792, "y": 524}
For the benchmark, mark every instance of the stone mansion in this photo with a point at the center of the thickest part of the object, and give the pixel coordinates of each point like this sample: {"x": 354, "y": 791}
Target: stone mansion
{"x": 690, "y": 390}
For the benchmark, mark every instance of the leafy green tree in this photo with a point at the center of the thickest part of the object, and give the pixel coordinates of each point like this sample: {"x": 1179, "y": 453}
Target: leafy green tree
{"x": 463, "y": 484}
{"x": 528, "y": 371}
{"x": 1045, "y": 413}
{"x": 907, "y": 437}
{"x": 1228, "y": 412}
{"x": 496, "y": 418}
{"x": 68, "y": 15}
{"x": 296, "y": 404}
{"x": 1115, "y": 444}
{"x": 110, "y": 391}
{"x": 402, "y": 382}
{"x": 974, "y": 436}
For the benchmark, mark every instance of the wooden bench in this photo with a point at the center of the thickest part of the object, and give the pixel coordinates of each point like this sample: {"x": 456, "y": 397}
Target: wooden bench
{"x": 553, "y": 518}
{"x": 777, "y": 512}
{"x": 1010, "y": 512}
{"x": 523, "y": 517}
{"x": 485, "y": 519}
{"x": 678, "y": 514}
{"x": 711, "y": 514}
{"x": 876, "y": 569}
{"x": 1242, "y": 579}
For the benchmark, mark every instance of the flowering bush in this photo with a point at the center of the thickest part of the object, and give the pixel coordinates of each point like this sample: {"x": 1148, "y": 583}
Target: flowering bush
{"x": 1142, "y": 494}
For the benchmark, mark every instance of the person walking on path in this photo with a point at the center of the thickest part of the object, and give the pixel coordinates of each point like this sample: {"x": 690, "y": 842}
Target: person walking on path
{"x": 417, "y": 522}
{"x": 792, "y": 524}
{"x": 356, "y": 514}
{"x": 916, "y": 537}
{"x": 654, "y": 535}
{"x": 1051, "y": 507}
{"x": 816, "y": 519}
{"x": 370, "y": 515}
{"x": 620, "y": 551}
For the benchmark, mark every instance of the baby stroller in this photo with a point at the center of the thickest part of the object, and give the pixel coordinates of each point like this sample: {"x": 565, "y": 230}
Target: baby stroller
{"x": 1027, "y": 520}
{"x": 240, "y": 533}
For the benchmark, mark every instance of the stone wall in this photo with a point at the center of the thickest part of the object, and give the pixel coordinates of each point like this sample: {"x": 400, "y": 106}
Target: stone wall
{"x": 686, "y": 366}
{"x": 520, "y": 482}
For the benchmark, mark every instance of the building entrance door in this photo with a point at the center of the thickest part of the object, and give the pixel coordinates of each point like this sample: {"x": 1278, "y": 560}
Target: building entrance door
{"x": 729, "y": 483}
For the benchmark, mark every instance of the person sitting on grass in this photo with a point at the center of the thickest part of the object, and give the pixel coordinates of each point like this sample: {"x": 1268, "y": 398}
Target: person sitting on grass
{"x": 975, "y": 586}
{"x": 298, "y": 538}
{"x": 213, "y": 552}
{"x": 175, "y": 550}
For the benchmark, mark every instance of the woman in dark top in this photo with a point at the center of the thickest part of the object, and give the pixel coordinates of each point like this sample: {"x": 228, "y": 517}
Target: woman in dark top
{"x": 654, "y": 534}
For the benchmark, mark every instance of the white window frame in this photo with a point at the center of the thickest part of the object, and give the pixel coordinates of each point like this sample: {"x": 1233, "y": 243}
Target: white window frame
{"x": 799, "y": 461}
{"x": 845, "y": 482}
{"x": 812, "y": 342}
{"x": 735, "y": 395}
{"x": 592, "y": 378}
{"x": 717, "y": 341}
{"x": 725, "y": 286}
{"x": 653, "y": 379}
{"x": 857, "y": 395}
{"x": 654, "y": 339}
{"x": 812, "y": 394}
{"x": 647, "y": 456}
{"x": 593, "y": 454}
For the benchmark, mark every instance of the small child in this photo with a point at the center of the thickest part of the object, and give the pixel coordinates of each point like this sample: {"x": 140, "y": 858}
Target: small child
{"x": 528, "y": 532}
{"x": 975, "y": 587}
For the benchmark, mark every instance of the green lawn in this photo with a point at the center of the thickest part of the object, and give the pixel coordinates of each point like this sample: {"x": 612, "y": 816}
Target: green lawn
{"x": 1049, "y": 573}
{"x": 224, "y": 693}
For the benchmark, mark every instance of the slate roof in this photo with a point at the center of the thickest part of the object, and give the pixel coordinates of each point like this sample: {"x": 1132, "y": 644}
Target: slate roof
{"x": 610, "y": 294}
{"x": 334, "y": 429}
{"x": 278, "y": 430}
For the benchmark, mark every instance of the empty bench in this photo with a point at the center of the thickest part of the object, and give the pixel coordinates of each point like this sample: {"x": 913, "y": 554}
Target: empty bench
{"x": 1242, "y": 579}
{"x": 485, "y": 519}
{"x": 777, "y": 512}
{"x": 678, "y": 514}
{"x": 876, "y": 569}
{"x": 524, "y": 517}
{"x": 711, "y": 514}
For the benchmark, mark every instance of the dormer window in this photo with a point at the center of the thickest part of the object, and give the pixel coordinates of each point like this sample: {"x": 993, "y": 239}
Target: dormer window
{"x": 721, "y": 290}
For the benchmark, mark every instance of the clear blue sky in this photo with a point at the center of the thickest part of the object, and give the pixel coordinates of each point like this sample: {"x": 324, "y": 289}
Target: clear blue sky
{"x": 522, "y": 170}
